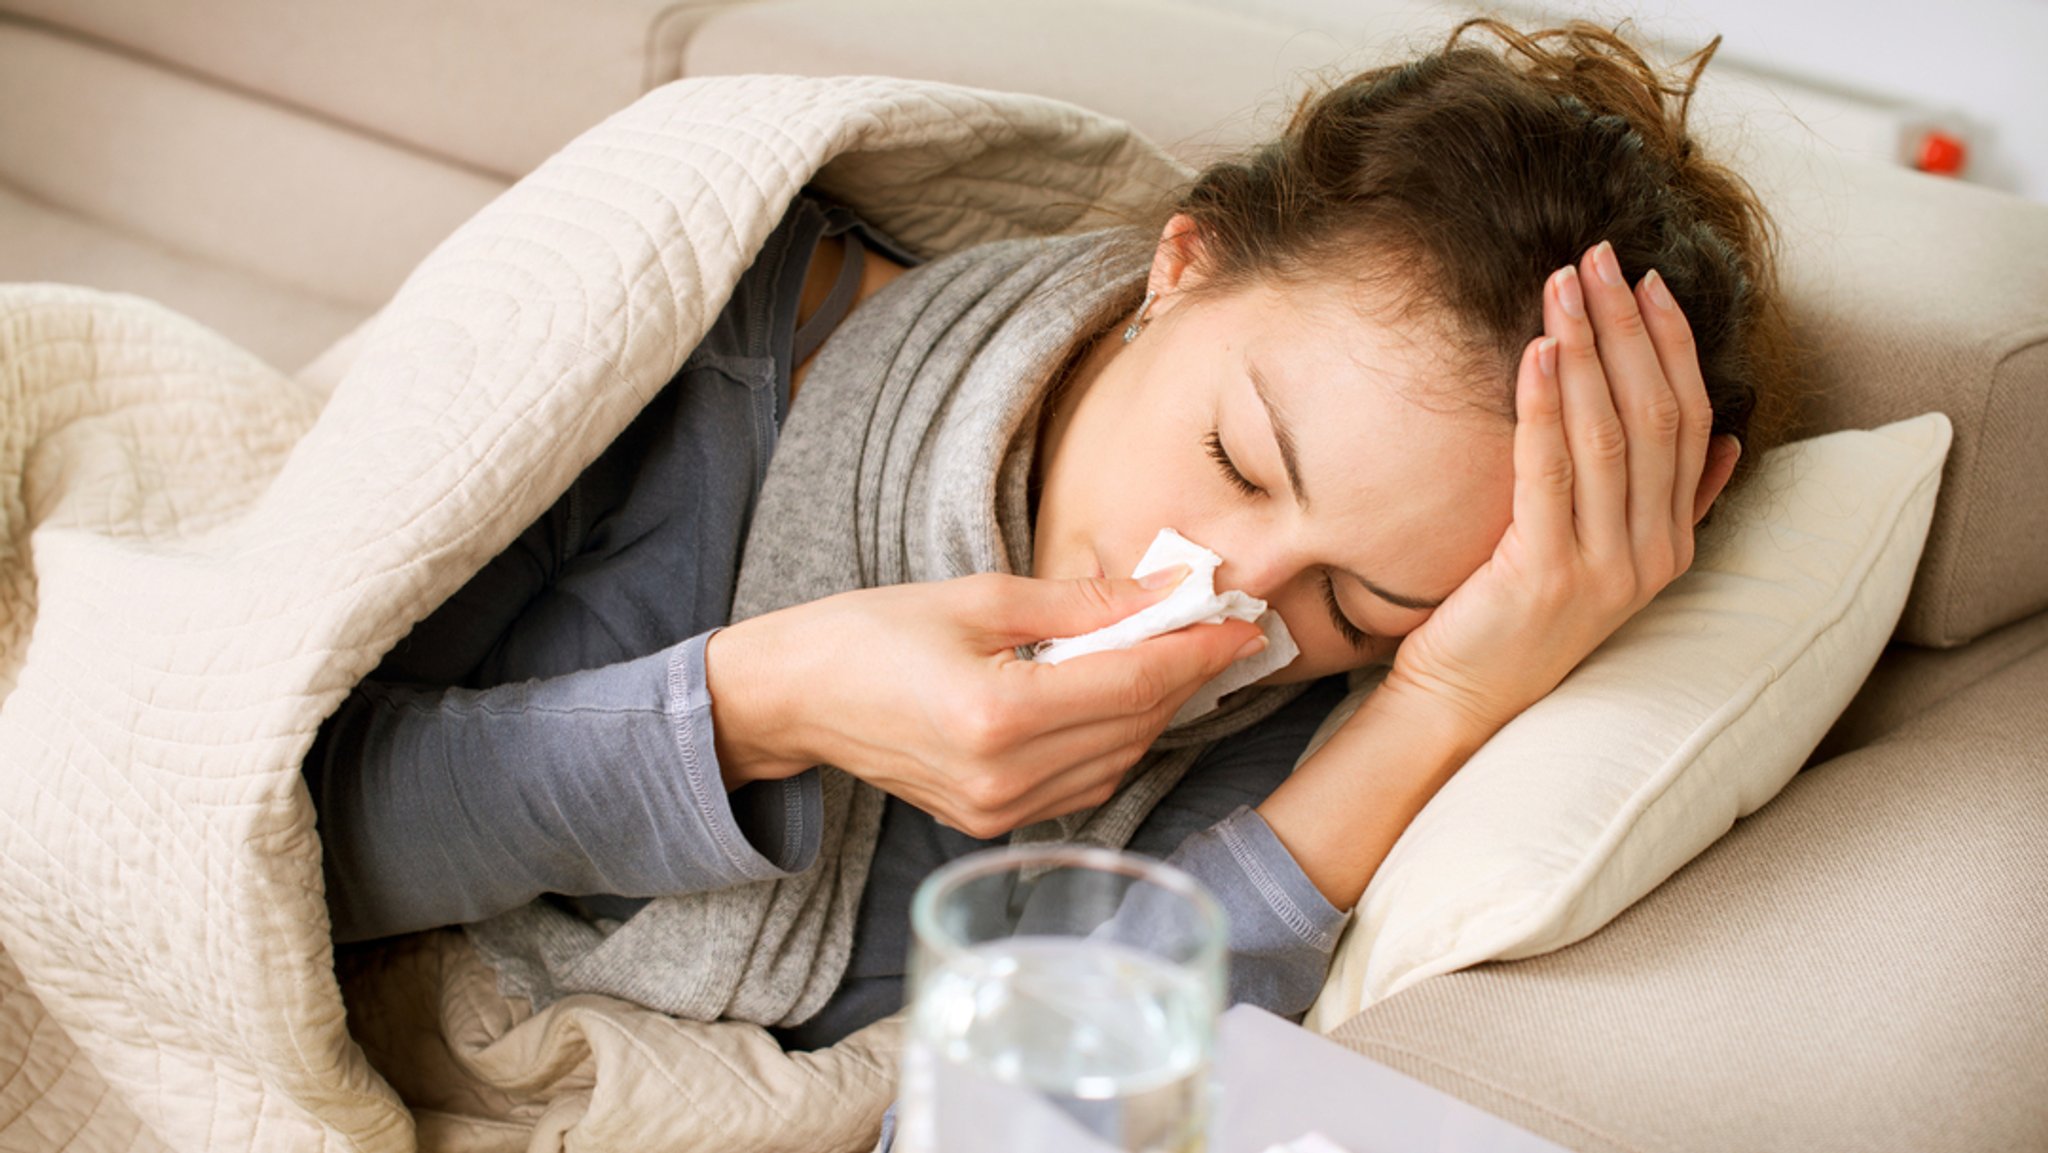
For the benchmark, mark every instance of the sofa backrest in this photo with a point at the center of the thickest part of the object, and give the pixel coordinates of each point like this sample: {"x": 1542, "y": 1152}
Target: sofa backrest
{"x": 280, "y": 228}
{"x": 498, "y": 85}
{"x": 387, "y": 121}
{"x": 1911, "y": 293}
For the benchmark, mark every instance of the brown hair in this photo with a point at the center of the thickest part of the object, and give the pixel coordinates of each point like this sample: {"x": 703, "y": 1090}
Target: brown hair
{"x": 1469, "y": 175}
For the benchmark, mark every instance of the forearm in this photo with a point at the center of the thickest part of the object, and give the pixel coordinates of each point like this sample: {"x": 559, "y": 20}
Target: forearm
{"x": 753, "y": 674}
{"x": 444, "y": 806}
{"x": 1340, "y": 813}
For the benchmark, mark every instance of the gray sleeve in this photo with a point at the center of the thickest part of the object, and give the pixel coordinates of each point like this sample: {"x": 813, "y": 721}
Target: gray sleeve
{"x": 442, "y": 806}
{"x": 1282, "y": 928}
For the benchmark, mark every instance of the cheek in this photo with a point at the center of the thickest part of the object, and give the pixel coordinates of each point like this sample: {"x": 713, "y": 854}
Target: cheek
{"x": 1146, "y": 474}
{"x": 1323, "y": 651}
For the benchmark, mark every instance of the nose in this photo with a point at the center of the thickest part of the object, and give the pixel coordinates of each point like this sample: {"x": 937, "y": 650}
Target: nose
{"x": 1260, "y": 567}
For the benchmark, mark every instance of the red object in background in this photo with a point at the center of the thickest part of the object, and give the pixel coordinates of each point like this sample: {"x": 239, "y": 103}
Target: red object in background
{"x": 1941, "y": 154}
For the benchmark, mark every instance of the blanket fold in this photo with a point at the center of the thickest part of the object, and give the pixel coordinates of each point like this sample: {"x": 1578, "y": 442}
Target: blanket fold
{"x": 198, "y": 558}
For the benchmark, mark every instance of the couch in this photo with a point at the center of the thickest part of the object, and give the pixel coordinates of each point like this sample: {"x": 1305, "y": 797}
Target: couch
{"x": 1856, "y": 966}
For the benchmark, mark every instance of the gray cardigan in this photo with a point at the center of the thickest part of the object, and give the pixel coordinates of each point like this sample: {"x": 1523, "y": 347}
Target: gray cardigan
{"x": 528, "y": 741}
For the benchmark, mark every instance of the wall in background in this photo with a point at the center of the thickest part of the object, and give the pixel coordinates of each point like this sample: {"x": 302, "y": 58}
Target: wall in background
{"x": 1980, "y": 66}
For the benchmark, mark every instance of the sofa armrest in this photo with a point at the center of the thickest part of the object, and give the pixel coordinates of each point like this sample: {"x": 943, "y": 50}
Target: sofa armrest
{"x": 1912, "y": 293}
{"x": 496, "y": 85}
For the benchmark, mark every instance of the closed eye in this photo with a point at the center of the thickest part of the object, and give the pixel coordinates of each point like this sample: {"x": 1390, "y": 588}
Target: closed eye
{"x": 1356, "y": 637}
{"x": 1214, "y": 443}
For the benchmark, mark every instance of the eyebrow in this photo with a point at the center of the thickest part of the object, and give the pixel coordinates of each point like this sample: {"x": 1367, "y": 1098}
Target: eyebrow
{"x": 1283, "y": 435}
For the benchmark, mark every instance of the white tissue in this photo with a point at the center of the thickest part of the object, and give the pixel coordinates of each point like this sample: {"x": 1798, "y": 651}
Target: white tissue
{"x": 1310, "y": 1142}
{"x": 1195, "y": 601}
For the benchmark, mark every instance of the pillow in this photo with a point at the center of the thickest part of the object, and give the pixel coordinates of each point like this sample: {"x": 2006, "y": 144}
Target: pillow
{"x": 1694, "y": 713}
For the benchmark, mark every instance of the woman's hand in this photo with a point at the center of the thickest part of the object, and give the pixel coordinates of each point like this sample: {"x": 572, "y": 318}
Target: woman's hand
{"x": 1613, "y": 468}
{"x": 917, "y": 690}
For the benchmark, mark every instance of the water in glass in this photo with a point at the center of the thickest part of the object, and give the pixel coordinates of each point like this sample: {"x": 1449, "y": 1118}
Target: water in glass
{"x": 1058, "y": 1043}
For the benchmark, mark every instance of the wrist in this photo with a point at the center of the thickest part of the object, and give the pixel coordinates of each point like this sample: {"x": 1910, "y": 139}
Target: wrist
{"x": 1343, "y": 809}
{"x": 1448, "y": 720}
{"x": 752, "y": 715}
{"x": 1456, "y": 716}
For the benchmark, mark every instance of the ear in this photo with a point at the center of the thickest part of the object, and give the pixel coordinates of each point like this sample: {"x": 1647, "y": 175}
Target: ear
{"x": 1175, "y": 263}
{"x": 1722, "y": 453}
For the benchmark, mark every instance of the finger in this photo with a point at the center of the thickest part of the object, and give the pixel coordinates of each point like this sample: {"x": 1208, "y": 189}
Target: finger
{"x": 1072, "y": 767}
{"x": 1593, "y": 431}
{"x": 1023, "y": 610}
{"x": 1075, "y": 769}
{"x": 1140, "y": 679}
{"x": 1049, "y": 773}
{"x": 1056, "y": 750}
{"x": 1543, "y": 464}
{"x": 1672, "y": 336}
{"x": 1087, "y": 782}
{"x": 1643, "y": 399}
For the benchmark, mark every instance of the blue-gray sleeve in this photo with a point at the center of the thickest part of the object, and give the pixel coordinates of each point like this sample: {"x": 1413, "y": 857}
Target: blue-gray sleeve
{"x": 1282, "y": 929}
{"x": 441, "y": 806}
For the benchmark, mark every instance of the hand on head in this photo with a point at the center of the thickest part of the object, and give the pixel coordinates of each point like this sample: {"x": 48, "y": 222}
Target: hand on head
{"x": 1614, "y": 465}
{"x": 917, "y": 690}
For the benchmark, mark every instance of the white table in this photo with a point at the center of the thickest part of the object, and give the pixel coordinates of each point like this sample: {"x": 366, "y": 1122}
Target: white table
{"x": 1272, "y": 1082}
{"x": 1278, "y": 1081}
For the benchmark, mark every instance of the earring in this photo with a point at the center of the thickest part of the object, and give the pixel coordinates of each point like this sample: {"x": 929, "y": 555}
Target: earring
{"x": 1138, "y": 325}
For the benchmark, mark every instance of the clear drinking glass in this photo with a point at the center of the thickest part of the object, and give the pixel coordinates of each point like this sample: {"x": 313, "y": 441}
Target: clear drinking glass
{"x": 1063, "y": 998}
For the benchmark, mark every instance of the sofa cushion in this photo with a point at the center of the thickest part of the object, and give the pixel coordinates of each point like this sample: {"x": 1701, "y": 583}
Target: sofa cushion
{"x": 1858, "y": 966}
{"x": 285, "y": 327}
{"x": 1693, "y": 714}
{"x": 275, "y": 228}
{"x": 498, "y": 84}
{"x": 1909, "y": 680}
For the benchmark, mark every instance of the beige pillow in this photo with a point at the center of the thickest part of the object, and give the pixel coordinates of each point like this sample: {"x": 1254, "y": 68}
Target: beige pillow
{"x": 1695, "y": 713}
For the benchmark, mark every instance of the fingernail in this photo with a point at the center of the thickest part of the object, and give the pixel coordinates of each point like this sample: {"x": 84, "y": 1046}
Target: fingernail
{"x": 1251, "y": 647}
{"x": 1568, "y": 292}
{"x": 1546, "y": 355}
{"x": 1164, "y": 578}
{"x": 1605, "y": 264}
{"x": 1660, "y": 293}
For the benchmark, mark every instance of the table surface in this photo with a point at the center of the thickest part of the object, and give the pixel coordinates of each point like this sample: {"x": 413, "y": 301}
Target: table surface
{"x": 1272, "y": 1083}
{"x": 1278, "y": 1081}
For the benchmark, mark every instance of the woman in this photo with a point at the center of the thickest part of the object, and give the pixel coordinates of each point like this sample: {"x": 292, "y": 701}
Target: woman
{"x": 1447, "y": 375}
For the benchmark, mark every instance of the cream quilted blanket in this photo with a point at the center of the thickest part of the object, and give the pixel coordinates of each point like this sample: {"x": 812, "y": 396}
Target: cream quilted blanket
{"x": 199, "y": 556}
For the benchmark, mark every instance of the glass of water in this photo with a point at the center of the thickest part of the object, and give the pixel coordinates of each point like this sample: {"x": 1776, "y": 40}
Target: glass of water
{"x": 1062, "y": 998}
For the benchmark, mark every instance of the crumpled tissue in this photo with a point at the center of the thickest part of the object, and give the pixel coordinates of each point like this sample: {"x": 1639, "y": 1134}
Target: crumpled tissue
{"x": 1194, "y": 601}
{"x": 1310, "y": 1142}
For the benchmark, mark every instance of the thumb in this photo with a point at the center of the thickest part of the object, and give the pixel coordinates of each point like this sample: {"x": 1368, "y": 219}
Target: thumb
{"x": 1039, "y": 609}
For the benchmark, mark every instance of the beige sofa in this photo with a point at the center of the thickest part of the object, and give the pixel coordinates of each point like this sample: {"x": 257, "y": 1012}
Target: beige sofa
{"x": 1858, "y": 966}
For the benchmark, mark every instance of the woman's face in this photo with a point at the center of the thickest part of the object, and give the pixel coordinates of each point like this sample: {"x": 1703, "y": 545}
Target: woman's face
{"x": 1397, "y": 493}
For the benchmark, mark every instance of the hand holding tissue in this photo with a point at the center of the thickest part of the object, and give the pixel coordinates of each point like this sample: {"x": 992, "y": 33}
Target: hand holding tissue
{"x": 1195, "y": 601}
